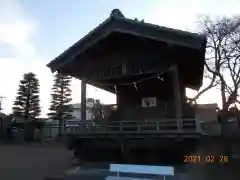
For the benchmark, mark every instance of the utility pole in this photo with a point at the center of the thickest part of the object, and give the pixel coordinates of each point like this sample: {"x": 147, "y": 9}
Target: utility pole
{"x": 1, "y": 100}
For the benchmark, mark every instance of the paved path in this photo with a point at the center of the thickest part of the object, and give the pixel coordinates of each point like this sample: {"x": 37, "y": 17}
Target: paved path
{"x": 36, "y": 162}
{"x": 32, "y": 162}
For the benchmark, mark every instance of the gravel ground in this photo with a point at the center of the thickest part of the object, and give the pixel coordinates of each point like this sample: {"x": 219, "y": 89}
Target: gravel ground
{"x": 33, "y": 162}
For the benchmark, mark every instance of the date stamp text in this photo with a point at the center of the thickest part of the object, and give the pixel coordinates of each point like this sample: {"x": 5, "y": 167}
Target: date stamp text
{"x": 206, "y": 159}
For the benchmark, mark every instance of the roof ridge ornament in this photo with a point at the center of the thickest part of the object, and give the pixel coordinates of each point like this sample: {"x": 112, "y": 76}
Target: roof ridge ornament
{"x": 116, "y": 13}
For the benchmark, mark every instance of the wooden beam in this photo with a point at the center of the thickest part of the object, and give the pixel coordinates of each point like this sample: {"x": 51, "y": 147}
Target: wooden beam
{"x": 177, "y": 97}
{"x": 105, "y": 88}
{"x": 83, "y": 99}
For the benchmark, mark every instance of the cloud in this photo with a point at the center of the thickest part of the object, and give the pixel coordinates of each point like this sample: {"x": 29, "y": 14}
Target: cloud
{"x": 184, "y": 15}
{"x": 15, "y": 27}
{"x": 16, "y": 32}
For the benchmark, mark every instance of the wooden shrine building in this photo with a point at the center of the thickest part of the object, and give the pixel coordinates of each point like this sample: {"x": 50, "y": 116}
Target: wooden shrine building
{"x": 148, "y": 67}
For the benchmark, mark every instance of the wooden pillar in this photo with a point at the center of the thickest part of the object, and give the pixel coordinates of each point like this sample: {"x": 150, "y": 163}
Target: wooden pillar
{"x": 177, "y": 97}
{"x": 83, "y": 99}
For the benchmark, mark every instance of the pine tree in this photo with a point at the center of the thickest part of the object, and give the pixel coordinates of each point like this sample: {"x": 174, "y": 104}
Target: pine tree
{"x": 60, "y": 109}
{"x": 27, "y": 103}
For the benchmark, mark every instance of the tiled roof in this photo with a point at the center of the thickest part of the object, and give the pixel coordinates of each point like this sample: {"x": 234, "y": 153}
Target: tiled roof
{"x": 117, "y": 22}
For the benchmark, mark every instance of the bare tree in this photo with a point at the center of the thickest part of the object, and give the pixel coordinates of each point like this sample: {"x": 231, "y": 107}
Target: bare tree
{"x": 222, "y": 65}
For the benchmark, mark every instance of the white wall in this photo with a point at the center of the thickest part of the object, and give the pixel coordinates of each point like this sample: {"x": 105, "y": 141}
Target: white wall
{"x": 77, "y": 114}
{"x": 77, "y": 109}
{"x": 207, "y": 112}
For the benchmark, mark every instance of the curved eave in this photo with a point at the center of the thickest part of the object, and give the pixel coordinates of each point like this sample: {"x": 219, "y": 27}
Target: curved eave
{"x": 124, "y": 25}
{"x": 58, "y": 60}
{"x": 203, "y": 51}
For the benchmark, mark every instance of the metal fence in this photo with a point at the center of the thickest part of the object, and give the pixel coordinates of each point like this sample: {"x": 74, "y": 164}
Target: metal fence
{"x": 230, "y": 128}
{"x": 51, "y": 131}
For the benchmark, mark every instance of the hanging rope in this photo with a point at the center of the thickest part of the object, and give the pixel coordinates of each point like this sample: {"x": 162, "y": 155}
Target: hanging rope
{"x": 139, "y": 81}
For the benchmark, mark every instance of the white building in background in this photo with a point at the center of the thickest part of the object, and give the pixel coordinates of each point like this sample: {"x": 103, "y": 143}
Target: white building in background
{"x": 207, "y": 112}
{"x": 52, "y": 129}
{"x": 77, "y": 109}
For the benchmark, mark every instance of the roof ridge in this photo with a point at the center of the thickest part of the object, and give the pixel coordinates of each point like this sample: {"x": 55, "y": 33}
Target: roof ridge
{"x": 116, "y": 13}
{"x": 193, "y": 34}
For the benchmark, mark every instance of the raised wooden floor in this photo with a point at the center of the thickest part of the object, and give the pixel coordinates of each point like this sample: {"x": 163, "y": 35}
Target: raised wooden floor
{"x": 148, "y": 142}
{"x": 155, "y": 128}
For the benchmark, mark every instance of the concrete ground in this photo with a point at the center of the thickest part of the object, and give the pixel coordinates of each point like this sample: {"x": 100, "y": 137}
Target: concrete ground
{"x": 33, "y": 162}
{"x": 37, "y": 162}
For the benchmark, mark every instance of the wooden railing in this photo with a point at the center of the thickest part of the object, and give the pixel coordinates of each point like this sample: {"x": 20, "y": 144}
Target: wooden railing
{"x": 163, "y": 125}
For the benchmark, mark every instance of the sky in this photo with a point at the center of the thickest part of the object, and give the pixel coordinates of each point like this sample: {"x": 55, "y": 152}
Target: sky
{"x": 33, "y": 32}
